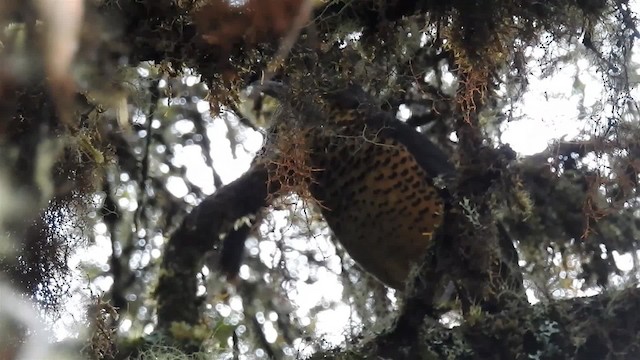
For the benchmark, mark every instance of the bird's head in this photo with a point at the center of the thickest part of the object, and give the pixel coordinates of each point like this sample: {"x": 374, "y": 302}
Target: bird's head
{"x": 309, "y": 107}
{"x": 258, "y": 107}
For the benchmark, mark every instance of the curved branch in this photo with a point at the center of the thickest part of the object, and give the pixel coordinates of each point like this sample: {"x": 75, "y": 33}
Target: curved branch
{"x": 200, "y": 232}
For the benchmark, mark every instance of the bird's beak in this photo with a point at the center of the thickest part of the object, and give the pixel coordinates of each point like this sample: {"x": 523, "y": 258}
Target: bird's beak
{"x": 276, "y": 90}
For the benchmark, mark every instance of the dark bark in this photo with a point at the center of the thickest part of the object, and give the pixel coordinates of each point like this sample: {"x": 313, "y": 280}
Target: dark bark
{"x": 606, "y": 326}
{"x": 199, "y": 233}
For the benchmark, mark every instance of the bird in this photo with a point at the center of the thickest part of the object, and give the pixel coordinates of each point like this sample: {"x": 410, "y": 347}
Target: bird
{"x": 381, "y": 186}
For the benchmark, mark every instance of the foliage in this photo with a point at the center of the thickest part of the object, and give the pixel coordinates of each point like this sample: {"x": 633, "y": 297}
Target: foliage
{"x": 101, "y": 160}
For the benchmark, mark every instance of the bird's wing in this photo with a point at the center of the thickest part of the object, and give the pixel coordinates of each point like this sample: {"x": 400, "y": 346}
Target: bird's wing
{"x": 428, "y": 155}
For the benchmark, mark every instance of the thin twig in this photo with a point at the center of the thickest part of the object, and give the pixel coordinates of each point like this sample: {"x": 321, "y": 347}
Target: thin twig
{"x": 287, "y": 43}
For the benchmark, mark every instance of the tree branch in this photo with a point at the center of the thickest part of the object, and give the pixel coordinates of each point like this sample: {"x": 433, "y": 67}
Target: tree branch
{"x": 601, "y": 327}
{"x": 199, "y": 233}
